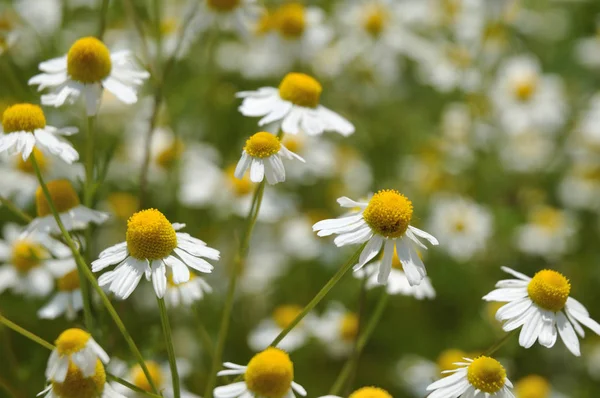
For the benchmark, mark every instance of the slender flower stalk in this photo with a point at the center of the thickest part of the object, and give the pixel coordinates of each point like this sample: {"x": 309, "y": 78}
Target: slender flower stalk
{"x": 497, "y": 345}
{"x": 83, "y": 268}
{"x": 15, "y": 210}
{"x": 103, "y": 17}
{"x": 166, "y": 327}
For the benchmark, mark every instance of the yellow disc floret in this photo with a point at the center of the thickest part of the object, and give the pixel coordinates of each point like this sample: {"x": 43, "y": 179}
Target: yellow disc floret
{"x": 71, "y": 341}
{"x": 139, "y": 379}
{"x": 285, "y": 314}
{"x": 375, "y": 20}
{"x": 549, "y": 290}
{"x": 349, "y": 327}
{"x": 486, "y": 374}
{"x": 23, "y": 117}
{"x": 168, "y": 157}
{"x": 63, "y": 196}
{"x": 150, "y": 235}
{"x": 78, "y": 386}
{"x": 69, "y": 282}
{"x": 447, "y": 359}
{"x": 270, "y": 373}
{"x": 262, "y": 145}
{"x": 300, "y": 89}
{"x": 525, "y": 88}
{"x": 290, "y": 20}
{"x": 389, "y": 213}
{"x": 223, "y": 5}
{"x": 370, "y": 392}
{"x": 532, "y": 386}
{"x": 88, "y": 60}
{"x": 27, "y": 167}
{"x": 549, "y": 218}
{"x": 27, "y": 255}
{"x": 123, "y": 204}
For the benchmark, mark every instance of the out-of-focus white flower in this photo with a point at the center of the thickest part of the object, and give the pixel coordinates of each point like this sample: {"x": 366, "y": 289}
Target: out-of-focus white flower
{"x": 336, "y": 329}
{"x": 580, "y": 187}
{"x": 587, "y": 50}
{"x": 185, "y": 293}
{"x": 268, "y": 329}
{"x": 230, "y": 15}
{"x": 527, "y": 152}
{"x": 68, "y": 300}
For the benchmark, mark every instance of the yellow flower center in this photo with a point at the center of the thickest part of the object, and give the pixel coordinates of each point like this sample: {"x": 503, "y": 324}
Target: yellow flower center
{"x": 168, "y": 26}
{"x": 548, "y": 217}
{"x": 168, "y": 157}
{"x": 290, "y": 20}
{"x": 375, "y": 21}
{"x": 285, "y": 314}
{"x": 532, "y": 386}
{"x": 27, "y": 255}
{"x": 486, "y": 374}
{"x": 270, "y": 373}
{"x": 370, "y": 392}
{"x": 139, "y": 379}
{"x": 69, "y": 282}
{"x": 459, "y": 56}
{"x": 389, "y": 213}
{"x": 23, "y": 117}
{"x": 265, "y": 24}
{"x": 71, "y": 341}
{"x": 451, "y": 8}
{"x": 123, "y": 204}
{"x": 447, "y": 359}
{"x": 300, "y": 89}
{"x": 62, "y": 194}
{"x": 396, "y": 264}
{"x": 549, "y": 290}
{"x": 242, "y": 186}
{"x": 78, "y": 386}
{"x": 27, "y": 167}
{"x": 223, "y": 5}
{"x": 293, "y": 143}
{"x": 172, "y": 283}
{"x": 88, "y": 60}
{"x": 262, "y": 145}
{"x": 524, "y": 88}
{"x": 150, "y": 235}
{"x": 349, "y": 327}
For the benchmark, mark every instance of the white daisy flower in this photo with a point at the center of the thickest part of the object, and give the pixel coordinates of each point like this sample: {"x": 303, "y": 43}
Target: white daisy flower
{"x": 293, "y": 107}
{"x": 269, "y": 373}
{"x": 262, "y": 155}
{"x": 68, "y": 300}
{"x": 463, "y": 226}
{"x": 580, "y": 186}
{"x": 542, "y": 306}
{"x": 527, "y": 151}
{"x": 336, "y": 329}
{"x": 72, "y": 213}
{"x": 28, "y": 265}
{"x": 480, "y": 375}
{"x": 185, "y": 293}
{"x": 382, "y": 222}
{"x": 365, "y": 392}
{"x": 88, "y": 68}
{"x": 587, "y": 50}
{"x": 268, "y": 329}
{"x": 152, "y": 244}
{"x": 24, "y": 127}
{"x": 76, "y": 350}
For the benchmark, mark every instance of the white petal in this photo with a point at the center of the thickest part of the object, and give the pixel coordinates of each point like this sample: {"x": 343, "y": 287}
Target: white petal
{"x": 567, "y": 334}
{"x": 386, "y": 263}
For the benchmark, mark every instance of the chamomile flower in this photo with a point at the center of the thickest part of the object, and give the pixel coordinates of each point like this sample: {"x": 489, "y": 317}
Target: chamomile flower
{"x": 77, "y": 385}
{"x": 587, "y": 50}
{"x": 233, "y": 15}
{"x": 542, "y": 306}
{"x": 365, "y": 392}
{"x": 382, "y": 222}
{"x": 152, "y": 244}
{"x": 28, "y": 265}
{"x": 262, "y": 155}
{"x": 480, "y": 375}
{"x": 86, "y": 70}
{"x": 68, "y": 300}
{"x": 336, "y": 329}
{"x": 76, "y": 350}
{"x": 72, "y": 213}
{"x": 269, "y": 373}
{"x": 528, "y": 151}
{"x": 533, "y": 386}
{"x": 293, "y": 107}
{"x": 24, "y": 127}
{"x": 185, "y": 293}
{"x": 268, "y": 329}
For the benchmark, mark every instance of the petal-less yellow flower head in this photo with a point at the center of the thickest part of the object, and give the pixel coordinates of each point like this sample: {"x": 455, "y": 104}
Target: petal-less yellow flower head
{"x": 447, "y": 359}
{"x": 27, "y": 255}
{"x": 88, "y": 60}
{"x": 262, "y": 145}
{"x": 300, "y": 89}
{"x": 486, "y": 374}
{"x": 139, "y": 379}
{"x": 525, "y": 87}
{"x": 169, "y": 156}
{"x": 123, "y": 204}
{"x": 223, "y": 5}
{"x": 68, "y": 282}
{"x": 532, "y": 386}
{"x": 549, "y": 290}
{"x": 63, "y": 196}
{"x": 285, "y": 314}
{"x": 71, "y": 341}
{"x": 78, "y": 386}
{"x": 349, "y": 326}
{"x": 27, "y": 167}
{"x": 375, "y": 20}
{"x": 370, "y": 392}
{"x": 389, "y": 213}
{"x": 270, "y": 373}
{"x": 241, "y": 186}
{"x": 150, "y": 235}
{"x": 290, "y": 20}
{"x": 23, "y": 117}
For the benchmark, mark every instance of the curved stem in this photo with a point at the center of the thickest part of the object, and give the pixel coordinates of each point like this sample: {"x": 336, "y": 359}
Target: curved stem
{"x": 497, "y": 345}
{"x": 102, "y": 24}
{"x": 15, "y": 210}
{"x": 147, "y": 148}
{"x": 166, "y": 327}
{"x": 83, "y": 268}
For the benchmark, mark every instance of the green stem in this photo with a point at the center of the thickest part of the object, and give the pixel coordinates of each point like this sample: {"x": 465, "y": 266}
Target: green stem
{"x": 147, "y": 149}
{"x": 237, "y": 266}
{"x": 83, "y": 268}
{"x": 207, "y": 344}
{"x": 362, "y": 341}
{"x": 132, "y": 387}
{"x": 11, "y": 390}
{"x": 497, "y": 345}
{"x": 102, "y": 24}
{"x": 15, "y": 210}
{"x": 26, "y": 333}
{"x": 320, "y": 296}
{"x": 166, "y": 327}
